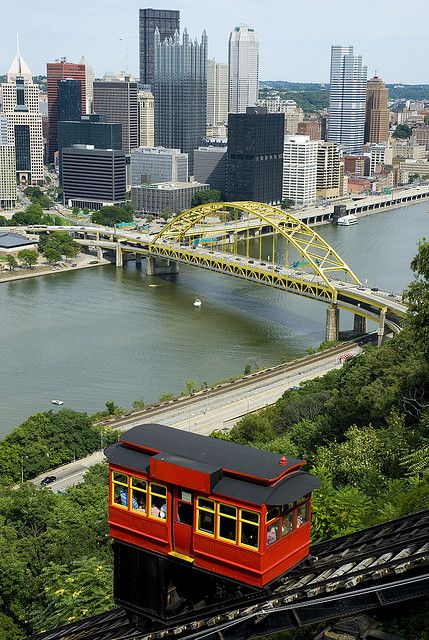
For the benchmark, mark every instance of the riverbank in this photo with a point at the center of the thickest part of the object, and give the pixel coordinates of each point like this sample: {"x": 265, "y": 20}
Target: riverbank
{"x": 80, "y": 262}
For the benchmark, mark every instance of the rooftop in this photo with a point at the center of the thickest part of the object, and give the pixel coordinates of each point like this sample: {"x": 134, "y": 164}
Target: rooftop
{"x": 9, "y": 240}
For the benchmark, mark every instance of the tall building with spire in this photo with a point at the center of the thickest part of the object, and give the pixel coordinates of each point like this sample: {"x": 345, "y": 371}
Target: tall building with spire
{"x": 377, "y": 111}
{"x": 20, "y": 108}
{"x": 180, "y": 89}
{"x": 243, "y": 66}
{"x": 347, "y": 99}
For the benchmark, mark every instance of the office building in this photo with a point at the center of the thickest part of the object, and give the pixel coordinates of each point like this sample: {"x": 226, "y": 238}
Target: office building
{"x": 356, "y": 165}
{"x": 8, "y": 194}
{"x": 330, "y": 171}
{"x": 412, "y": 168}
{"x": 56, "y": 71}
{"x": 165, "y": 197}
{"x": 243, "y": 69}
{"x": 89, "y": 84}
{"x": 180, "y": 93}
{"x": 156, "y": 164}
{"x": 69, "y": 99}
{"x": 309, "y": 128}
{"x": 20, "y": 100}
{"x": 408, "y": 149}
{"x": 255, "y": 156}
{"x": 118, "y": 102}
{"x": 93, "y": 178}
{"x": 146, "y": 112}
{"x": 217, "y": 94}
{"x": 421, "y": 135}
{"x": 347, "y": 99}
{"x": 91, "y": 129}
{"x": 377, "y": 112}
{"x": 3, "y": 129}
{"x": 300, "y": 169}
{"x": 167, "y": 22}
{"x": 379, "y": 155}
{"x": 210, "y": 166}
{"x": 293, "y": 114}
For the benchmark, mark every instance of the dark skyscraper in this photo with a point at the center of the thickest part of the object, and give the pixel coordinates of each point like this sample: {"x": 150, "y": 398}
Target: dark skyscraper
{"x": 69, "y": 99}
{"x": 180, "y": 90}
{"x": 255, "y": 156}
{"x": 167, "y": 22}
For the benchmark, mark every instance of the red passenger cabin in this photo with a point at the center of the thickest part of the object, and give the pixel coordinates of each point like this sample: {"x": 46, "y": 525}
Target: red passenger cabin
{"x": 217, "y": 506}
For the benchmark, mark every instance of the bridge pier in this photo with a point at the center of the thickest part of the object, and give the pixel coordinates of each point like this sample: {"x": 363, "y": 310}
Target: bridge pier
{"x": 138, "y": 259}
{"x": 381, "y": 327}
{"x": 99, "y": 253}
{"x": 360, "y": 324}
{"x": 154, "y": 269}
{"x": 332, "y": 323}
{"x": 119, "y": 257}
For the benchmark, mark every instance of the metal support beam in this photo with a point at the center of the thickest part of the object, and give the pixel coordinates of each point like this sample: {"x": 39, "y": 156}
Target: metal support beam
{"x": 381, "y": 326}
{"x": 119, "y": 258}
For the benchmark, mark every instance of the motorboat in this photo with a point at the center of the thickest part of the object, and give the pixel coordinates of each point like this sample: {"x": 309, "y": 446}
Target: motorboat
{"x": 346, "y": 221}
{"x": 57, "y": 402}
{"x": 197, "y": 302}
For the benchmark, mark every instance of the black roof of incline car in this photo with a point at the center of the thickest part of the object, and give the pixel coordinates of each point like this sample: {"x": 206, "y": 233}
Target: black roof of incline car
{"x": 240, "y": 472}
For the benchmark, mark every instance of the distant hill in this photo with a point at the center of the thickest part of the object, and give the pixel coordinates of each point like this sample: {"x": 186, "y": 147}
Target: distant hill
{"x": 397, "y": 91}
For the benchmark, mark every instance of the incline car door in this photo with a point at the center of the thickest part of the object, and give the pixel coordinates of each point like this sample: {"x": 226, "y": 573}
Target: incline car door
{"x": 183, "y": 521}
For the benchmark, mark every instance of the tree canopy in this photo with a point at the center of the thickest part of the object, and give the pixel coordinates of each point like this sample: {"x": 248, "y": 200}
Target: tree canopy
{"x": 207, "y": 195}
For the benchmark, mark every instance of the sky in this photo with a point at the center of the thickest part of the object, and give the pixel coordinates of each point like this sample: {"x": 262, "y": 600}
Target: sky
{"x": 295, "y": 38}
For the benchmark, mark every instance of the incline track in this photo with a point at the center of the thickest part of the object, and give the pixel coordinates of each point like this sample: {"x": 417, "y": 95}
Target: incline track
{"x": 370, "y": 568}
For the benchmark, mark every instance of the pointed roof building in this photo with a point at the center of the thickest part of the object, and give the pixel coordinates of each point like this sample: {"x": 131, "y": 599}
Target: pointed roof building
{"x": 19, "y": 68}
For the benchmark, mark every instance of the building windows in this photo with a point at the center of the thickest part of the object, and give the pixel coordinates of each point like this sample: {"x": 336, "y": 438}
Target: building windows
{"x": 249, "y": 528}
{"x": 230, "y": 521}
{"x": 227, "y": 522}
{"x": 282, "y": 520}
{"x": 206, "y": 516}
{"x": 157, "y": 500}
{"x": 138, "y": 495}
{"x": 147, "y": 498}
{"x": 120, "y": 489}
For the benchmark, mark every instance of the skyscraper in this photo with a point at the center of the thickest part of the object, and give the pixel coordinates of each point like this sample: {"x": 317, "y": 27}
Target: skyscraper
{"x": 300, "y": 169}
{"x": 255, "y": 155}
{"x": 20, "y": 99}
{"x": 89, "y": 82}
{"x": 180, "y": 93}
{"x": 167, "y": 22}
{"x": 56, "y": 71}
{"x": 217, "y": 93}
{"x": 347, "y": 98}
{"x": 377, "y": 111}
{"x": 146, "y": 108}
{"x": 69, "y": 100}
{"x": 118, "y": 102}
{"x": 243, "y": 67}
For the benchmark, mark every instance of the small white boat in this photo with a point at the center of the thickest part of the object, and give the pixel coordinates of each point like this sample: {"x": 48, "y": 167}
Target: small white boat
{"x": 153, "y": 285}
{"x": 197, "y": 303}
{"x": 57, "y": 402}
{"x": 346, "y": 221}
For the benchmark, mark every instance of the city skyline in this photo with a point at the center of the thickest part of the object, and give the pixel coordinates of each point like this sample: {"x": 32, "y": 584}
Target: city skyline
{"x": 109, "y": 35}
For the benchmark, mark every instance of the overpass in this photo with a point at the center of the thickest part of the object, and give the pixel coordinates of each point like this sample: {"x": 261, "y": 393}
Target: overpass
{"x": 299, "y": 260}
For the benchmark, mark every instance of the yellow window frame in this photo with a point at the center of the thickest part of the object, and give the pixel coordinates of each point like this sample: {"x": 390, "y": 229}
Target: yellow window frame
{"x": 220, "y": 515}
{"x": 255, "y": 524}
{"x": 120, "y": 484}
{"x": 151, "y": 493}
{"x": 206, "y": 510}
{"x": 140, "y": 490}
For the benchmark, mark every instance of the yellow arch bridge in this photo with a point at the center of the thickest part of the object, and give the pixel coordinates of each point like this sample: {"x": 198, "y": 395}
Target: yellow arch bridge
{"x": 260, "y": 243}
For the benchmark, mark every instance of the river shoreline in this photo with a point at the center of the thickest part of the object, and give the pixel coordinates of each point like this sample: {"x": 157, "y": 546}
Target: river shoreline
{"x": 43, "y": 270}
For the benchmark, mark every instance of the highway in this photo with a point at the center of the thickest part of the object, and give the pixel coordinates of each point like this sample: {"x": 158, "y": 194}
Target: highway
{"x": 216, "y": 408}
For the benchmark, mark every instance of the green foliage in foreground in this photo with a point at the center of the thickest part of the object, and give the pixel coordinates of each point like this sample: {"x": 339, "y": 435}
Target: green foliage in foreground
{"x": 47, "y": 440}
{"x": 55, "y": 555}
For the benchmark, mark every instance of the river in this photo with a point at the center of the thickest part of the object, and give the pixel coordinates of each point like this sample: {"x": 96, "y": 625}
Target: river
{"x": 89, "y": 336}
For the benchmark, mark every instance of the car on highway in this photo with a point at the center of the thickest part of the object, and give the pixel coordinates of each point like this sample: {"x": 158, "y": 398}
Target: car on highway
{"x": 361, "y": 288}
{"x": 375, "y": 289}
{"x": 48, "y": 480}
{"x": 93, "y": 262}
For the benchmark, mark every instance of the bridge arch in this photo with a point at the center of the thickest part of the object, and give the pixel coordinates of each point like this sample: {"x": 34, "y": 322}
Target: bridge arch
{"x": 320, "y": 256}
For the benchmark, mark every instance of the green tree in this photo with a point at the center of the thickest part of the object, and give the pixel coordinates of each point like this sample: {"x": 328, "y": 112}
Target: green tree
{"x": 32, "y": 215}
{"x": 207, "y": 195}
{"x": 417, "y": 296}
{"x": 252, "y": 428}
{"x": 3, "y": 221}
{"x": 190, "y": 387}
{"x": 165, "y": 397}
{"x": 52, "y": 255}
{"x": 29, "y": 257}
{"x": 247, "y": 369}
{"x": 12, "y": 262}
{"x": 287, "y": 203}
{"x": 402, "y": 131}
{"x": 139, "y": 404}
{"x": 70, "y": 249}
{"x": 112, "y": 408}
